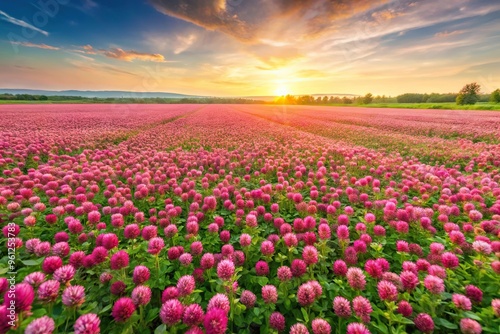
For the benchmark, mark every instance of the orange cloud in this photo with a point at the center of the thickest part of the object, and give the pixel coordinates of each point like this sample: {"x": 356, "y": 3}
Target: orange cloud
{"x": 131, "y": 55}
{"x": 120, "y": 54}
{"x": 446, "y": 33}
{"x": 39, "y": 46}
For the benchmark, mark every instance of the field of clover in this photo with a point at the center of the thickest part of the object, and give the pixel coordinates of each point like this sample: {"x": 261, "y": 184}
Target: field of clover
{"x": 248, "y": 219}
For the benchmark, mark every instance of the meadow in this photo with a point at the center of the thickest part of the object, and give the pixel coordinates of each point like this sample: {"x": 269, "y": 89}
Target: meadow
{"x": 248, "y": 219}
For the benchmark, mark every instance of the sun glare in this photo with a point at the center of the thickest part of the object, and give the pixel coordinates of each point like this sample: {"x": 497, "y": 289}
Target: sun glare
{"x": 281, "y": 91}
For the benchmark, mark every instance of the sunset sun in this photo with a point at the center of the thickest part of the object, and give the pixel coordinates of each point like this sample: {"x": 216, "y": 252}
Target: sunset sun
{"x": 281, "y": 91}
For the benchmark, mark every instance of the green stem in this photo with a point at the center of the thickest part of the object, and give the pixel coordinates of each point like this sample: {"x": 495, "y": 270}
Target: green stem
{"x": 157, "y": 265}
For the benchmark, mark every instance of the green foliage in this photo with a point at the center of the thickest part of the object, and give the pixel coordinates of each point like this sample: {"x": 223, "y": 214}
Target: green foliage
{"x": 368, "y": 98}
{"x": 469, "y": 94}
{"x": 495, "y": 96}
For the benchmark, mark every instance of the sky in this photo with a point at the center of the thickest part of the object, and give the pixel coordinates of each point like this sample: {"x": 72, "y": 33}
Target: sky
{"x": 250, "y": 47}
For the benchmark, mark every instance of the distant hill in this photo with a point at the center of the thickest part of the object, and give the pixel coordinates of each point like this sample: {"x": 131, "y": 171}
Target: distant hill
{"x": 126, "y": 94}
{"x": 99, "y": 94}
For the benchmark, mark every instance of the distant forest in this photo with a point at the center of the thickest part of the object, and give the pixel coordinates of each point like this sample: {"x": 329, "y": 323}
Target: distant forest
{"x": 288, "y": 99}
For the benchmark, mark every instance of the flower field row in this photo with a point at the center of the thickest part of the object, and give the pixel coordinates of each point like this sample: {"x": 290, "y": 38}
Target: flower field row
{"x": 251, "y": 219}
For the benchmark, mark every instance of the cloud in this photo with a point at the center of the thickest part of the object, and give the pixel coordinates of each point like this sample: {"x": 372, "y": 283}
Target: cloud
{"x": 252, "y": 21}
{"x": 39, "y": 46}
{"x": 120, "y": 54}
{"x": 446, "y": 33}
{"x": 131, "y": 55}
{"x": 184, "y": 42}
{"x": 6, "y": 17}
{"x": 386, "y": 15}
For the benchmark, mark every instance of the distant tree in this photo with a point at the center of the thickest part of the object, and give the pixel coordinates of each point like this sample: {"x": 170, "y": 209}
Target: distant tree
{"x": 43, "y": 98}
{"x": 346, "y": 100}
{"x": 290, "y": 99}
{"x": 325, "y": 99}
{"x": 368, "y": 98}
{"x": 318, "y": 100}
{"x": 495, "y": 96}
{"x": 469, "y": 94}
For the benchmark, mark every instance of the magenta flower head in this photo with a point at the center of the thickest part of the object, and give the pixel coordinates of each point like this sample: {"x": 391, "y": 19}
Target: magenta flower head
{"x": 119, "y": 260}
{"x": 474, "y": 293}
{"x": 356, "y": 278}
{"x": 434, "y": 284}
{"x": 87, "y": 324}
{"x": 185, "y": 285}
{"x": 105, "y": 277}
{"x": 94, "y": 217}
{"x": 284, "y": 273}
{"x": 141, "y": 275}
{"x": 131, "y": 231}
{"x": 171, "y": 312}
{"x": 404, "y": 308}
{"x": 269, "y": 294}
{"x": 424, "y": 323}
{"x": 64, "y": 274}
{"x": 357, "y": 328}
{"x": 245, "y": 240}
{"x": 299, "y": 329}
{"x": 449, "y": 260}
{"x": 339, "y": 268}
{"x": 310, "y": 255}
{"x": 387, "y": 291}
{"x": 43, "y": 325}
{"x": 362, "y": 308}
{"x": 495, "y": 305}
{"x": 251, "y": 220}
{"x": 343, "y": 232}
{"x": 185, "y": 259}
{"x": 48, "y": 291}
{"x": 215, "y": 321}
{"x": 73, "y": 296}
{"x": 61, "y": 249}
{"x": 341, "y": 307}
{"x": 141, "y": 295}
{"x": 193, "y": 315}
{"x": 42, "y": 248}
{"x": 149, "y": 232}
{"x": 306, "y": 295}
{"x": 299, "y": 268}
{"x": 170, "y": 292}
{"x": 248, "y": 298}
{"x": 207, "y": 261}
{"x": 225, "y": 269}
{"x": 51, "y": 263}
{"x": 155, "y": 245}
{"x": 5, "y": 321}
{"x": 219, "y": 301}
{"x": 262, "y": 268}
{"x": 277, "y": 321}
{"x": 461, "y": 302}
{"x": 409, "y": 280}
{"x": 290, "y": 240}
{"x": 118, "y": 288}
{"x": 373, "y": 269}
{"x": 34, "y": 279}
{"x": 76, "y": 259}
{"x": 321, "y": 326}
{"x": 196, "y": 248}
{"x": 469, "y": 326}
{"x": 194, "y": 330}
{"x": 123, "y": 309}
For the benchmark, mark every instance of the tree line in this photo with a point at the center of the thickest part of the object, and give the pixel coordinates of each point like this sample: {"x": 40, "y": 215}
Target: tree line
{"x": 469, "y": 94}
{"x": 133, "y": 100}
